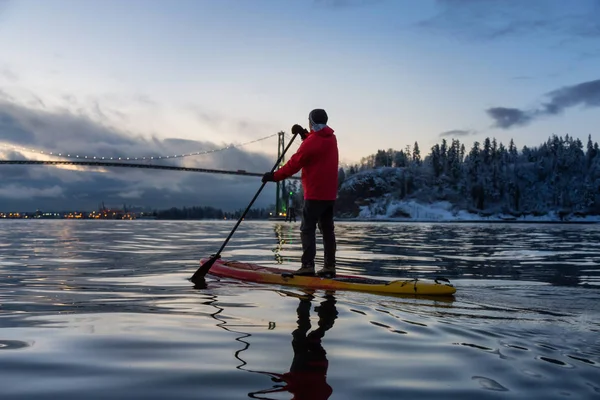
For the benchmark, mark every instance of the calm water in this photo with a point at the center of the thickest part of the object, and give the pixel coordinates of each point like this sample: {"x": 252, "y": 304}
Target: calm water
{"x": 102, "y": 309}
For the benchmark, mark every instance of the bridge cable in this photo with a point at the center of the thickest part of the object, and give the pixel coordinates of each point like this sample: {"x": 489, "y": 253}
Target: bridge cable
{"x": 133, "y": 165}
{"x": 123, "y": 158}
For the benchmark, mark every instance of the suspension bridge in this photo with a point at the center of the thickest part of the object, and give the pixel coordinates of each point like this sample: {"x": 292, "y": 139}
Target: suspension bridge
{"x": 143, "y": 162}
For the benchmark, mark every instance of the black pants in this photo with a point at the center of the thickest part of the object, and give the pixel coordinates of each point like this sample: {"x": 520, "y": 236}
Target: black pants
{"x": 317, "y": 212}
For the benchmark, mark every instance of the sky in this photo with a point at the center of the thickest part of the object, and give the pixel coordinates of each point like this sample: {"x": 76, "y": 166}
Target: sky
{"x": 138, "y": 77}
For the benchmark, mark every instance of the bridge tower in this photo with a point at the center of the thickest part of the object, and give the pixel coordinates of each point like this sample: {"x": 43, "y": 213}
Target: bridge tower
{"x": 281, "y": 194}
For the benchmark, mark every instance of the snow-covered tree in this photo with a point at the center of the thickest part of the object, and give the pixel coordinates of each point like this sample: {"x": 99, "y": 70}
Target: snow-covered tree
{"x": 558, "y": 175}
{"x": 416, "y": 155}
{"x": 400, "y": 159}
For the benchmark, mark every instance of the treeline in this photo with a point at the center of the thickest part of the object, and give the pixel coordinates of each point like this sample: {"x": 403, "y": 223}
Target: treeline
{"x": 560, "y": 174}
{"x": 209, "y": 213}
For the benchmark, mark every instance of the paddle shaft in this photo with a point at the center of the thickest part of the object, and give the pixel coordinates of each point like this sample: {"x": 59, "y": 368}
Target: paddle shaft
{"x": 206, "y": 266}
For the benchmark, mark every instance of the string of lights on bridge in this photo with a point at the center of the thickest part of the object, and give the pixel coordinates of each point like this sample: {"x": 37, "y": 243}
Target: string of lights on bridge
{"x": 123, "y": 158}
{"x": 289, "y": 136}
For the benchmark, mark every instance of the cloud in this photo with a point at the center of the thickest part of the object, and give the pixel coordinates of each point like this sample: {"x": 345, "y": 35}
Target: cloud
{"x": 230, "y": 125}
{"x": 585, "y": 94}
{"x": 492, "y": 19}
{"x": 145, "y": 100}
{"x": 133, "y": 194}
{"x": 53, "y": 188}
{"x": 458, "y": 132}
{"x": 8, "y": 73}
{"x": 51, "y": 131}
{"x": 509, "y": 117}
{"x": 11, "y": 129}
{"x": 5, "y": 96}
{"x": 14, "y": 191}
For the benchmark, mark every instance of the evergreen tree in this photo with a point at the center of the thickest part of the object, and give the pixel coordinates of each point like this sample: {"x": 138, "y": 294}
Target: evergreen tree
{"x": 559, "y": 174}
{"x": 436, "y": 160}
{"x": 591, "y": 152}
{"x": 454, "y": 160}
{"x": 444, "y": 155}
{"x": 400, "y": 159}
{"x": 391, "y": 154}
{"x": 341, "y": 176}
{"x": 502, "y": 155}
{"x": 474, "y": 161}
{"x": 382, "y": 159}
{"x": 416, "y": 155}
{"x": 512, "y": 151}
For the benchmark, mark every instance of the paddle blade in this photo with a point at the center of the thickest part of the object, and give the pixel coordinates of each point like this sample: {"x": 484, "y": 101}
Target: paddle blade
{"x": 198, "y": 276}
{"x": 200, "y": 284}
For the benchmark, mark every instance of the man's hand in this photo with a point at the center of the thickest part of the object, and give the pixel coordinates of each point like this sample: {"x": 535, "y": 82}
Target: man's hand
{"x": 268, "y": 177}
{"x": 298, "y": 130}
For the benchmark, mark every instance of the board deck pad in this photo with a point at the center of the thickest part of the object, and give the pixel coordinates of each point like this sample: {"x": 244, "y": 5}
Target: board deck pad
{"x": 272, "y": 275}
{"x": 350, "y": 279}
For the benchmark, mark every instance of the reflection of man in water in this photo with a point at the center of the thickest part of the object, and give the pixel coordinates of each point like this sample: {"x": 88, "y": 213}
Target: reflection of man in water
{"x": 291, "y": 215}
{"x": 307, "y": 379}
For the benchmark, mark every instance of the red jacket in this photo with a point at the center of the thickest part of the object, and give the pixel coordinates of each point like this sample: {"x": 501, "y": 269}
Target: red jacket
{"x": 318, "y": 159}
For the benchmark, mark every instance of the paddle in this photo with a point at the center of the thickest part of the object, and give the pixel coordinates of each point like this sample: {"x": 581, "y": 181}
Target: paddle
{"x": 198, "y": 276}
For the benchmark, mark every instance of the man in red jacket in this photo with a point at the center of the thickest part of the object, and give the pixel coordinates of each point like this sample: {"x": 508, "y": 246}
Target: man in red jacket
{"x": 318, "y": 159}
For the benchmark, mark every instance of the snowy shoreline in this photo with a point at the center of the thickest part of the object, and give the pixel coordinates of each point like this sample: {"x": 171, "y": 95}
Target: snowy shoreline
{"x": 443, "y": 211}
{"x": 475, "y": 221}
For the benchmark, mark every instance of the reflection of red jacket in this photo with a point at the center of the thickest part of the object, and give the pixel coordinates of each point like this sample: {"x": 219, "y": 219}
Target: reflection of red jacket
{"x": 318, "y": 159}
{"x": 307, "y": 385}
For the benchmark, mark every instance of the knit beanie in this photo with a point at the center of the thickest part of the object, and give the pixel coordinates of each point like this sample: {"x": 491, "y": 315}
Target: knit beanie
{"x": 318, "y": 117}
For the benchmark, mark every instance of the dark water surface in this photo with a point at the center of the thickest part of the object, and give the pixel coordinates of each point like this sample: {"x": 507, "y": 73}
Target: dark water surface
{"x": 102, "y": 309}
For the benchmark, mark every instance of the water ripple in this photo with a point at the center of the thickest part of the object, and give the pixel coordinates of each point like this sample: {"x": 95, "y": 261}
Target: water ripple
{"x": 103, "y": 309}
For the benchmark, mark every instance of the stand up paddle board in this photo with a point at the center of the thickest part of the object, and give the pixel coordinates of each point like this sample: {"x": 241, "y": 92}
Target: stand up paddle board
{"x": 261, "y": 274}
